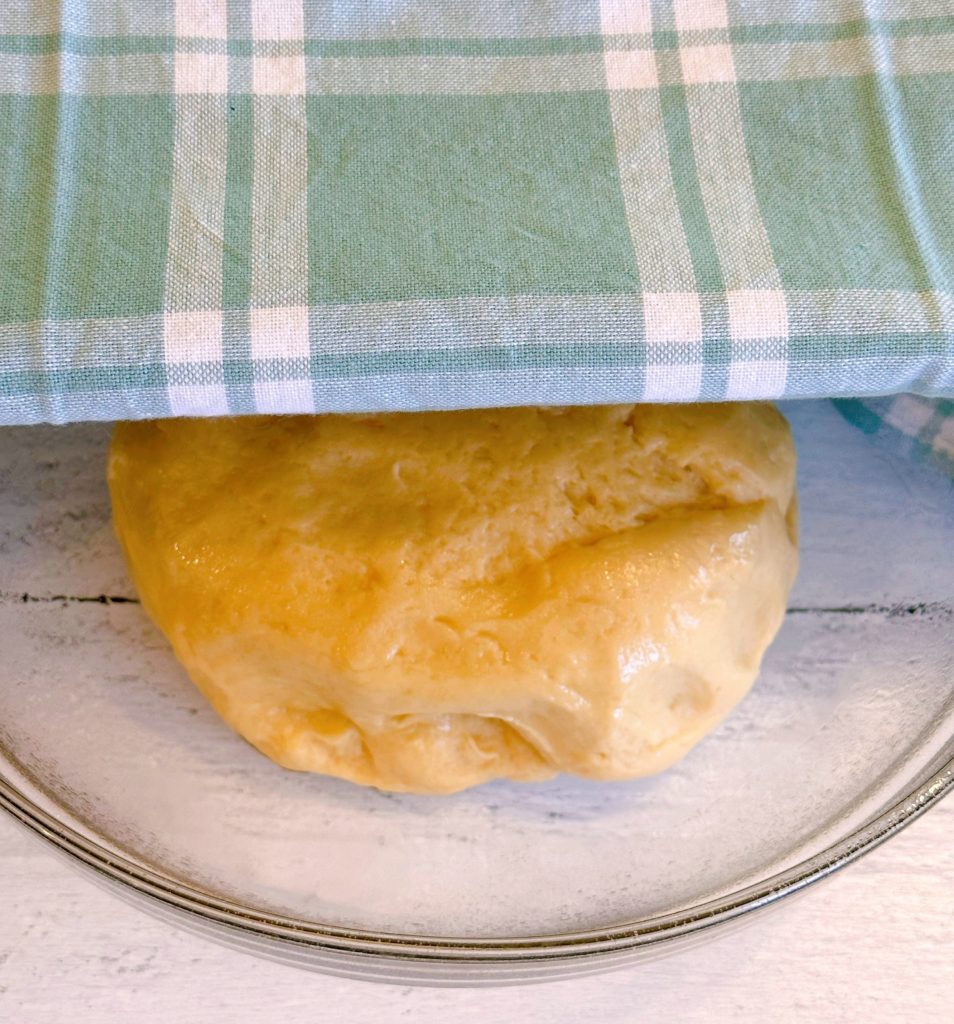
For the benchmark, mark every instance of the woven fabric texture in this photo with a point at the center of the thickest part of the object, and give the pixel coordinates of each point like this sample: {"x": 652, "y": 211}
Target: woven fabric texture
{"x": 212, "y": 207}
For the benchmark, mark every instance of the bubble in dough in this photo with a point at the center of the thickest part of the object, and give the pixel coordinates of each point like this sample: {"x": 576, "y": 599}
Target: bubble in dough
{"x": 423, "y": 602}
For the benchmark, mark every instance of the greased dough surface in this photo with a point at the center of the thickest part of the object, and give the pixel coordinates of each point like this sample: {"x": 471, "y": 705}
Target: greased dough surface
{"x": 426, "y": 601}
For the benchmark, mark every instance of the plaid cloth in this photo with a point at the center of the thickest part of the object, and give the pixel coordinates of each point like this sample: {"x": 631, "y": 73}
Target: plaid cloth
{"x": 230, "y": 206}
{"x": 917, "y": 427}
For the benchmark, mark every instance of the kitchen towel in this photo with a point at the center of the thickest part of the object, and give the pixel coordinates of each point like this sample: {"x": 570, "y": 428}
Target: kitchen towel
{"x": 212, "y": 207}
{"x": 919, "y": 428}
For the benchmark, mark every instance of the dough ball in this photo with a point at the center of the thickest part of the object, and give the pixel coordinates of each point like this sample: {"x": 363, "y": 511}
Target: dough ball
{"x": 422, "y": 602}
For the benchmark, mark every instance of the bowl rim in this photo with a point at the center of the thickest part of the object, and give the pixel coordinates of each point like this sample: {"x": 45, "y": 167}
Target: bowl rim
{"x": 114, "y": 867}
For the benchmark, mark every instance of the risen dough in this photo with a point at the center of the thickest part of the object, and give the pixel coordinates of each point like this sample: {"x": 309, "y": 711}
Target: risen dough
{"x": 426, "y": 601}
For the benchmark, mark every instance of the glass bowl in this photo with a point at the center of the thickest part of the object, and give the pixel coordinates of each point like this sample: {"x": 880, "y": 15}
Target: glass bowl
{"x": 108, "y": 753}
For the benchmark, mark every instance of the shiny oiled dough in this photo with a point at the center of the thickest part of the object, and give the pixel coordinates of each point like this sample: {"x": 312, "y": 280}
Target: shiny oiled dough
{"x": 422, "y": 602}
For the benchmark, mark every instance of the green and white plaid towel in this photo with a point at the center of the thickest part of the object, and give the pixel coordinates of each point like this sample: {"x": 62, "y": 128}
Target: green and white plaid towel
{"x": 919, "y": 428}
{"x": 214, "y": 206}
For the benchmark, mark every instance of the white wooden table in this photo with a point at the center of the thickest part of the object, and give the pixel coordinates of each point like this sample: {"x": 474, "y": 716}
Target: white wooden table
{"x": 875, "y": 944}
